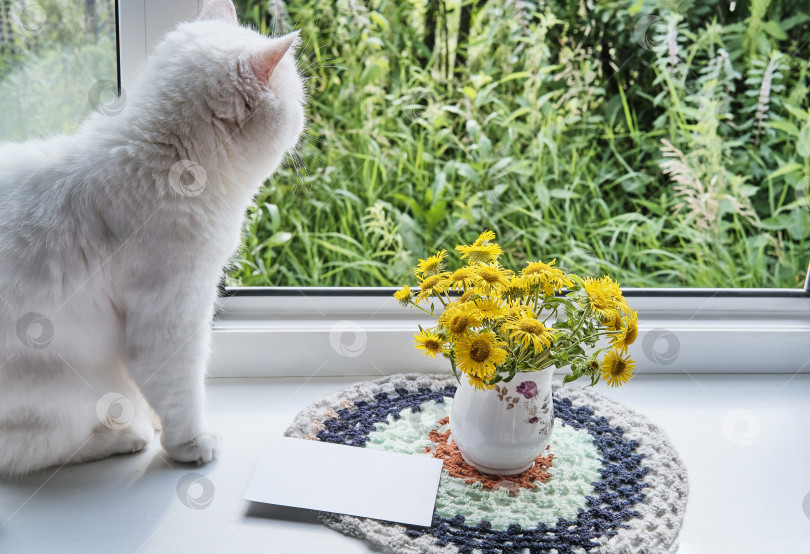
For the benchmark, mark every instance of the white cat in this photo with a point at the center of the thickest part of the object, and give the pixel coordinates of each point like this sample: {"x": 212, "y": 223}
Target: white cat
{"x": 112, "y": 242}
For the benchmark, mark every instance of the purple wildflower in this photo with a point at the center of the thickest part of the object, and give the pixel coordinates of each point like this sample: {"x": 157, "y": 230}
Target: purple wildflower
{"x": 527, "y": 388}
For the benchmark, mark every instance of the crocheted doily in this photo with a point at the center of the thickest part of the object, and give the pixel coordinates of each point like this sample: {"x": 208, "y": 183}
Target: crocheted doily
{"x": 609, "y": 482}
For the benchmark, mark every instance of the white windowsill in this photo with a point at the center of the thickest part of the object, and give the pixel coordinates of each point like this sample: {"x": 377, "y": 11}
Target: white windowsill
{"x": 294, "y": 334}
{"x": 743, "y": 498}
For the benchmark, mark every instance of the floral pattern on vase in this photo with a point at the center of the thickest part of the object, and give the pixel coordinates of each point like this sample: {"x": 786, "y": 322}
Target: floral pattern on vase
{"x": 504, "y": 429}
{"x": 529, "y": 391}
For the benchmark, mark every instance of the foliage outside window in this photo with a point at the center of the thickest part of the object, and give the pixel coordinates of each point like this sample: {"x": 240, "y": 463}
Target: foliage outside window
{"x": 57, "y": 64}
{"x": 663, "y": 143}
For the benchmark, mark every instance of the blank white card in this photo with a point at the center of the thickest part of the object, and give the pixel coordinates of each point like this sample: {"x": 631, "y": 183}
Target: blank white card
{"x": 347, "y": 480}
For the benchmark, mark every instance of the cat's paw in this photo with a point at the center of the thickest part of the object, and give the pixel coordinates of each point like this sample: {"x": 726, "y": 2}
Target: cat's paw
{"x": 200, "y": 450}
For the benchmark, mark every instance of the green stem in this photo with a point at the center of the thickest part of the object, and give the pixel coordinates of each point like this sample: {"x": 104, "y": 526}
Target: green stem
{"x": 579, "y": 325}
{"x": 553, "y": 313}
{"x": 415, "y": 305}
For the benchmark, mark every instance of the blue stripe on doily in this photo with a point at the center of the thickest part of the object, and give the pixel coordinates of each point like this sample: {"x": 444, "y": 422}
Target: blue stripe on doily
{"x": 352, "y": 427}
{"x": 619, "y": 489}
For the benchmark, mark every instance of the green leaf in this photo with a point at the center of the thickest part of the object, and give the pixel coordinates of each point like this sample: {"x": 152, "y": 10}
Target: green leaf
{"x": 803, "y": 144}
{"x": 796, "y": 223}
{"x": 273, "y": 214}
{"x": 784, "y": 126}
{"x": 773, "y": 29}
{"x": 484, "y": 146}
{"x": 513, "y": 76}
{"x": 790, "y": 22}
{"x": 520, "y": 112}
{"x": 796, "y": 111}
{"x": 467, "y": 171}
{"x": 277, "y": 239}
{"x": 784, "y": 170}
{"x": 799, "y": 224}
{"x": 378, "y": 18}
{"x": 564, "y": 194}
{"x": 500, "y": 165}
{"x": 372, "y": 72}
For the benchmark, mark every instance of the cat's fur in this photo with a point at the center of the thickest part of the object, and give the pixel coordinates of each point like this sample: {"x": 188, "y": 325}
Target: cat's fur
{"x": 110, "y": 253}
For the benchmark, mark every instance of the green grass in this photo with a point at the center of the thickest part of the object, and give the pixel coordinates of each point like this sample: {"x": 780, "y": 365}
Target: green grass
{"x": 550, "y": 125}
{"x": 664, "y": 143}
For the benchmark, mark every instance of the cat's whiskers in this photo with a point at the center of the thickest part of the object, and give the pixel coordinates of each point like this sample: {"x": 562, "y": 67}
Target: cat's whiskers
{"x": 316, "y": 50}
{"x": 316, "y": 139}
{"x": 315, "y": 63}
{"x": 306, "y": 56}
{"x": 314, "y": 76}
{"x": 326, "y": 66}
{"x": 319, "y": 166}
{"x": 312, "y": 155}
{"x": 313, "y": 70}
{"x": 297, "y": 23}
{"x": 302, "y": 144}
{"x": 318, "y": 60}
{"x": 299, "y": 161}
{"x": 300, "y": 181}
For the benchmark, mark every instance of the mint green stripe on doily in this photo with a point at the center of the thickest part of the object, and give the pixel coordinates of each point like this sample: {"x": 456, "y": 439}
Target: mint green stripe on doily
{"x": 576, "y": 466}
{"x": 408, "y": 435}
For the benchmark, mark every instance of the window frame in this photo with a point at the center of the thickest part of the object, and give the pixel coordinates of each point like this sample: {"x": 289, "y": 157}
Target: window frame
{"x": 314, "y": 331}
{"x": 141, "y": 25}
{"x": 287, "y": 331}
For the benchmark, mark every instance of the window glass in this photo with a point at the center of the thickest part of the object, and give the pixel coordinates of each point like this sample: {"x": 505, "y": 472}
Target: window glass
{"x": 58, "y": 62}
{"x": 667, "y": 144}
{"x": 664, "y": 143}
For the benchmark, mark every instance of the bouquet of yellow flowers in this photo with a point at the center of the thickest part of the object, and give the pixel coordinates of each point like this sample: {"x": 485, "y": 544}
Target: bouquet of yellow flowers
{"x": 497, "y": 322}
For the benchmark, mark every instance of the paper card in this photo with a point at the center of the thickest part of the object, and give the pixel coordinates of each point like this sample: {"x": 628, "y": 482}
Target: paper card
{"x": 347, "y": 480}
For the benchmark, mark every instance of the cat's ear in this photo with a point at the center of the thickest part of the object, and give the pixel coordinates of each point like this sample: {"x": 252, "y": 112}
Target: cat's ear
{"x": 219, "y": 10}
{"x": 264, "y": 61}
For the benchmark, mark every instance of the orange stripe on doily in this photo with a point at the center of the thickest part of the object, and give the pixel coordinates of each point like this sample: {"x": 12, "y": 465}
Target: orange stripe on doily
{"x": 457, "y": 467}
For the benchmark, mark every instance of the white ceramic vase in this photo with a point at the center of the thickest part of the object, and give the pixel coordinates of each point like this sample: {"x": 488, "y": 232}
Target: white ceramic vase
{"x": 503, "y": 430}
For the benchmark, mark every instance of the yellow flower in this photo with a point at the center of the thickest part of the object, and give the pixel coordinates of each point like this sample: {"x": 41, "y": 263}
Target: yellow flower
{"x": 479, "y": 355}
{"x": 614, "y": 291}
{"x": 433, "y": 284}
{"x": 614, "y": 323}
{"x": 528, "y": 331}
{"x": 629, "y": 333}
{"x": 469, "y": 295}
{"x": 490, "y": 308}
{"x": 512, "y": 311}
{"x": 551, "y": 279}
{"x": 482, "y": 250}
{"x": 486, "y": 236}
{"x": 602, "y": 298}
{"x": 458, "y": 318}
{"x": 536, "y": 269}
{"x": 481, "y": 383}
{"x": 430, "y": 343}
{"x": 515, "y": 289}
{"x": 431, "y": 266}
{"x": 461, "y": 278}
{"x": 616, "y": 368}
{"x": 404, "y": 295}
{"x": 492, "y": 278}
